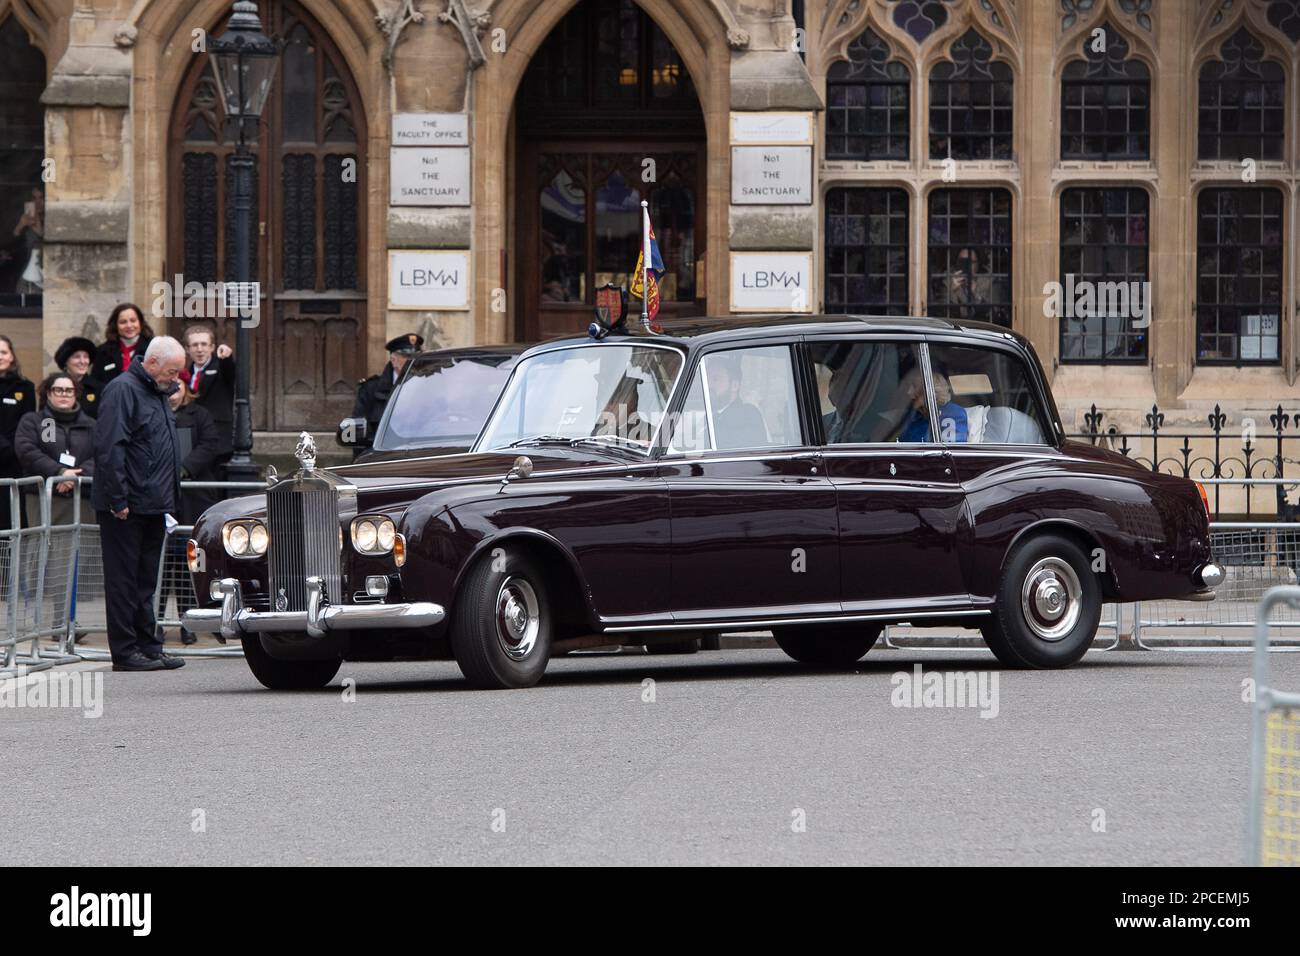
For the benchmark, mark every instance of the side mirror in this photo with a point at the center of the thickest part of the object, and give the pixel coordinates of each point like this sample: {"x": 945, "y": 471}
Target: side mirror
{"x": 352, "y": 432}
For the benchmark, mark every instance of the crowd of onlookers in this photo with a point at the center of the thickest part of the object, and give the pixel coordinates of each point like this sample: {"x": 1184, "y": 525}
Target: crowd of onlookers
{"x": 48, "y": 430}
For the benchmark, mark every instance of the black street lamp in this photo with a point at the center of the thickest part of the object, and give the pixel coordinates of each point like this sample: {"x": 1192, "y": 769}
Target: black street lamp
{"x": 244, "y": 60}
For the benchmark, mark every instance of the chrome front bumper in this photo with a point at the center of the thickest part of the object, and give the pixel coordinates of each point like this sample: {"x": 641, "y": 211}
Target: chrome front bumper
{"x": 233, "y": 619}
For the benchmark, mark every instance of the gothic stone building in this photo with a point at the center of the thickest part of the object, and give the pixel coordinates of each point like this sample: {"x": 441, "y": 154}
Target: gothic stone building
{"x": 473, "y": 170}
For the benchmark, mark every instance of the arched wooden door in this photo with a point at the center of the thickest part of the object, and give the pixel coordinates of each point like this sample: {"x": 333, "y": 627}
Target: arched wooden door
{"x": 309, "y": 347}
{"x": 606, "y": 116}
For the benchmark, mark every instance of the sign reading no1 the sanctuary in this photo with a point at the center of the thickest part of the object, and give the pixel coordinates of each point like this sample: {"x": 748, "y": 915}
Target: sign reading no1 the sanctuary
{"x": 422, "y": 279}
{"x": 771, "y": 175}
{"x": 430, "y": 176}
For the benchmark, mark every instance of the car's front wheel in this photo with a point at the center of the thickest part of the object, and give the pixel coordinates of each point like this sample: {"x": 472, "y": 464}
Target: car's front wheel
{"x": 286, "y": 675}
{"x": 827, "y": 645}
{"x": 1048, "y": 605}
{"x": 501, "y": 628}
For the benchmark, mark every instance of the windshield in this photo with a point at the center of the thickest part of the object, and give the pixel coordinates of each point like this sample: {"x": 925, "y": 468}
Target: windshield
{"x": 605, "y": 393}
{"x": 443, "y": 402}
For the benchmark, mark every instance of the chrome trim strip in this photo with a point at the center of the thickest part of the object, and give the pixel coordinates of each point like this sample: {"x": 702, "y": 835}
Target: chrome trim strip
{"x": 767, "y": 622}
{"x": 234, "y": 620}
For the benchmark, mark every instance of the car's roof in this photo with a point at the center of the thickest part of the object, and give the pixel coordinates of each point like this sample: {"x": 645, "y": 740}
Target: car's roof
{"x": 709, "y": 329}
{"x": 476, "y": 351}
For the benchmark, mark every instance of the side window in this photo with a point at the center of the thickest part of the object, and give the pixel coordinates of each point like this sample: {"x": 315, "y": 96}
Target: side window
{"x": 744, "y": 398}
{"x": 985, "y": 396}
{"x": 870, "y": 392}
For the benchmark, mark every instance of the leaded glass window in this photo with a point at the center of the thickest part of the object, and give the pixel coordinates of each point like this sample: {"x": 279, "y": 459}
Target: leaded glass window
{"x": 970, "y": 103}
{"x": 970, "y": 255}
{"x": 1104, "y": 276}
{"x": 1239, "y": 268}
{"x": 867, "y": 251}
{"x": 1105, "y": 102}
{"x": 1242, "y": 103}
{"x": 868, "y": 103}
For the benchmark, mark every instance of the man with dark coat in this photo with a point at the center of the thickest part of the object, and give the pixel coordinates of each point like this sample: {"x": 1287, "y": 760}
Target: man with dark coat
{"x": 137, "y": 485}
{"x": 373, "y": 393}
{"x": 210, "y": 375}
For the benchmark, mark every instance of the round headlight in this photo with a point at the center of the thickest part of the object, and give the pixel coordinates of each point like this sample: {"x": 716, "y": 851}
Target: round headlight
{"x": 386, "y": 535}
{"x": 238, "y": 540}
{"x": 259, "y": 539}
{"x": 364, "y": 536}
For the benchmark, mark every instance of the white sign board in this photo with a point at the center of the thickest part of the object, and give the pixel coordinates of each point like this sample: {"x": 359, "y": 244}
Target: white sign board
{"x": 425, "y": 279}
{"x": 429, "y": 176}
{"x": 771, "y": 175}
{"x": 771, "y": 281}
{"x": 772, "y": 128}
{"x": 1259, "y": 337}
{"x": 430, "y": 129}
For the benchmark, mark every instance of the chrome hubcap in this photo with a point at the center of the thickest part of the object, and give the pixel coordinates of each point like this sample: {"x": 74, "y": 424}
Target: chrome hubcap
{"x": 517, "y": 618}
{"x": 1051, "y": 598}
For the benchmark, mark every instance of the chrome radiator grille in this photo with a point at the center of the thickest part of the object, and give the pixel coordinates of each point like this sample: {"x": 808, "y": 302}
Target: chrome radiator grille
{"x": 302, "y": 516}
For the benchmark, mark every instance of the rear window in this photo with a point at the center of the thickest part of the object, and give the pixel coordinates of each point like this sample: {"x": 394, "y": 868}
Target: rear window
{"x": 443, "y": 402}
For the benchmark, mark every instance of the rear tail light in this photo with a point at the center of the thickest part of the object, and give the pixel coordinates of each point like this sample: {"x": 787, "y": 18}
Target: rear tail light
{"x": 1205, "y": 499}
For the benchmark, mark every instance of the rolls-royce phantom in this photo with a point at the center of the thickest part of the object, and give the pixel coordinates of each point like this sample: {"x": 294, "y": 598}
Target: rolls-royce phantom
{"x": 820, "y": 477}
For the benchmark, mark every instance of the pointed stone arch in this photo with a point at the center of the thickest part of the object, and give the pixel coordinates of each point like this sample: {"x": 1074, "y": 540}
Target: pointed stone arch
{"x": 158, "y": 34}
{"x": 698, "y": 32}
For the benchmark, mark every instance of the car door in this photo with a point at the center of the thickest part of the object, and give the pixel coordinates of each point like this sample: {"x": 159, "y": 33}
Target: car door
{"x": 1006, "y": 432}
{"x": 753, "y": 516}
{"x": 900, "y": 505}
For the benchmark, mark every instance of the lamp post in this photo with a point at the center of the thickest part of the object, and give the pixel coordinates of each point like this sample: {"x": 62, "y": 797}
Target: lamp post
{"x": 244, "y": 61}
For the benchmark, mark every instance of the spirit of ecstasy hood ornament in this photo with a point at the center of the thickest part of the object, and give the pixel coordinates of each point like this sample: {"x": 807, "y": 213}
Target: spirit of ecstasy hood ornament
{"x": 306, "y": 452}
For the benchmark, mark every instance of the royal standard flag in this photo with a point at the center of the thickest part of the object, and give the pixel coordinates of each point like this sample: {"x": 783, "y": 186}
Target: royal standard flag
{"x": 651, "y": 275}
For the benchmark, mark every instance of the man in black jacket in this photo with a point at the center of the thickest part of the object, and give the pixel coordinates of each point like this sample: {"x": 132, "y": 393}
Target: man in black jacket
{"x": 137, "y": 484}
{"x": 373, "y": 392}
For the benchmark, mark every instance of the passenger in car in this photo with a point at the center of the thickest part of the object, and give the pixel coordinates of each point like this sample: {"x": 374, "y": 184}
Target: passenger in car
{"x": 738, "y": 423}
{"x": 916, "y": 424}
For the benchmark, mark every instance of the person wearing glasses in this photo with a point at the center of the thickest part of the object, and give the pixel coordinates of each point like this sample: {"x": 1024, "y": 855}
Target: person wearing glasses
{"x": 57, "y": 440}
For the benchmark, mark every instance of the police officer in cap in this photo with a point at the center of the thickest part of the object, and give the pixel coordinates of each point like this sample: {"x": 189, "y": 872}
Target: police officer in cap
{"x": 373, "y": 393}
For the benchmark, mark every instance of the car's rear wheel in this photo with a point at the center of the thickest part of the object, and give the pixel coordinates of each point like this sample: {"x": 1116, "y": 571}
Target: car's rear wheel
{"x": 501, "y": 629}
{"x": 286, "y": 675}
{"x": 1048, "y": 605}
{"x": 827, "y": 645}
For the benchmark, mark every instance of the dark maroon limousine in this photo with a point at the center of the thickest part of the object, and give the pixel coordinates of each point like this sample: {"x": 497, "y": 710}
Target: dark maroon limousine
{"x": 818, "y": 476}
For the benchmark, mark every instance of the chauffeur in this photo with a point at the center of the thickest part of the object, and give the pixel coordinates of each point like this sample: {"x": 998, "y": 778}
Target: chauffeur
{"x": 373, "y": 393}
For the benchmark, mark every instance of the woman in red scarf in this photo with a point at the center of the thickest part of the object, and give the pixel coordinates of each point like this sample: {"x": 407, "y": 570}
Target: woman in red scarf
{"x": 128, "y": 335}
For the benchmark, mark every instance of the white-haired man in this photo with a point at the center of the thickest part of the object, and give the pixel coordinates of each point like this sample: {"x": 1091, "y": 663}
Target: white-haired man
{"x": 137, "y": 483}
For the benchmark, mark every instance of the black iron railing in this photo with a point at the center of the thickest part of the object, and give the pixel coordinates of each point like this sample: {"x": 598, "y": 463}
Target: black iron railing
{"x": 1214, "y": 452}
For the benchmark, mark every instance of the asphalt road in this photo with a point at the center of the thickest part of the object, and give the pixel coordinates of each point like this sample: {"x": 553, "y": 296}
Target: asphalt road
{"x": 736, "y": 750}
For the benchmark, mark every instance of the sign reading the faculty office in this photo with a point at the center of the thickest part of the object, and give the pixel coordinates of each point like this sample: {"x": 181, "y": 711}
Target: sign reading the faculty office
{"x": 429, "y": 176}
{"x": 771, "y": 175}
{"x": 771, "y": 282}
{"x": 430, "y": 129}
{"x": 423, "y": 279}
{"x": 772, "y": 128}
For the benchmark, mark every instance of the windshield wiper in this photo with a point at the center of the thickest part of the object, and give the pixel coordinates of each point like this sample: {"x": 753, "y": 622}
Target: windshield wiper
{"x": 611, "y": 439}
{"x": 540, "y": 440}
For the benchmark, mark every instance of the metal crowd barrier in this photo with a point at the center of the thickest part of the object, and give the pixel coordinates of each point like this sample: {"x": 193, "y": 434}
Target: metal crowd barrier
{"x": 33, "y": 598}
{"x": 52, "y": 576}
{"x": 1273, "y": 830}
{"x": 173, "y": 588}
